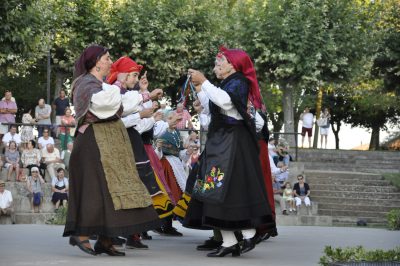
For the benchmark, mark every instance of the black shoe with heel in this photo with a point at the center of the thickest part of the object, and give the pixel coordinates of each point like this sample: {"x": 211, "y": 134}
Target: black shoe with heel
{"x": 100, "y": 248}
{"x": 75, "y": 241}
{"x": 223, "y": 251}
{"x": 209, "y": 244}
{"x": 248, "y": 244}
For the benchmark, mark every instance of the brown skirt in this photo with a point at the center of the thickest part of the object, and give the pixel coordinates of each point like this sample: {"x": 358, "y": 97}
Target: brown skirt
{"x": 90, "y": 207}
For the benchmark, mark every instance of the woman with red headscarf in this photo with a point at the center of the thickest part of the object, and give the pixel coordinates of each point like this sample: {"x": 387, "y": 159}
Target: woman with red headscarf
{"x": 229, "y": 193}
{"x": 106, "y": 196}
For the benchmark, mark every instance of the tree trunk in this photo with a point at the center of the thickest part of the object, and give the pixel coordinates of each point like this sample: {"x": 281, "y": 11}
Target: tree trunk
{"x": 374, "y": 143}
{"x": 336, "y": 133}
{"x": 317, "y": 114}
{"x": 288, "y": 115}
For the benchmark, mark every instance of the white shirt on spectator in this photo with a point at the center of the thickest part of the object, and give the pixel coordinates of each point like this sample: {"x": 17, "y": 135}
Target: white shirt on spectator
{"x": 59, "y": 183}
{"x": 307, "y": 119}
{"x": 43, "y": 142}
{"x": 51, "y": 156}
{"x": 5, "y": 199}
{"x": 9, "y": 137}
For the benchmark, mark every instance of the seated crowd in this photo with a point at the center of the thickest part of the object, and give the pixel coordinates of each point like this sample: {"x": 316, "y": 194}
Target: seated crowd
{"x": 32, "y": 159}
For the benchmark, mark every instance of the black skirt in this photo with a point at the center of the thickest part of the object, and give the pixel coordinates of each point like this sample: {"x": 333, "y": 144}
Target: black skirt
{"x": 143, "y": 165}
{"x": 239, "y": 200}
{"x": 90, "y": 208}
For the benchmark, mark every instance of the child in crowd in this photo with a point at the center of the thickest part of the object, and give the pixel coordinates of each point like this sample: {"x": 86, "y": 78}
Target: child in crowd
{"x": 288, "y": 196}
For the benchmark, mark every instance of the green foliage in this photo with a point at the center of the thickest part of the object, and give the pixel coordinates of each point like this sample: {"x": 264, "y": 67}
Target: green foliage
{"x": 23, "y": 35}
{"x": 297, "y": 47}
{"x": 358, "y": 254}
{"x": 393, "y": 218}
{"x": 387, "y": 60}
{"x": 60, "y": 216}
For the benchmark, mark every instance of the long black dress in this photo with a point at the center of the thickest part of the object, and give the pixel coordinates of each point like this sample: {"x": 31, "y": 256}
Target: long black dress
{"x": 229, "y": 192}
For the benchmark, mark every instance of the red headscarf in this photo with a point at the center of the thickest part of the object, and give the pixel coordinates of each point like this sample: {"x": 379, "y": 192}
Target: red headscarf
{"x": 123, "y": 65}
{"x": 241, "y": 61}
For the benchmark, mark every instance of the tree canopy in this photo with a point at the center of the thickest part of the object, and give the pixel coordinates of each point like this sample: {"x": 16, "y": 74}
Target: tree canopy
{"x": 299, "y": 48}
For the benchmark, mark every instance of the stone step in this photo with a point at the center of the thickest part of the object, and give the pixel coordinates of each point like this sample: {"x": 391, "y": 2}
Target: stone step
{"x": 350, "y": 167}
{"x": 314, "y": 165}
{"x": 360, "y": 202}
{"x": 352, "y": 221}
{"x": 352, "y": 207}
{"x": 356, "y": 188}
{"x": 348, "y": 154}
{"x": 33, "y": 218}
{"x": 23, "y": 204}
{"x": 294, "y": 220}
{"x": 351, "y": 213}
{"x": 355, "y": 195}
{"x": 330, "y": 181}
{"x": 342, "y": 175}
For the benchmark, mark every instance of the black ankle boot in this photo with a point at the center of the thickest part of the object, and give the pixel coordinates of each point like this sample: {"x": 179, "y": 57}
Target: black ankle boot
{"x": 223, "y": 251}
{"x": 248, "y": 244}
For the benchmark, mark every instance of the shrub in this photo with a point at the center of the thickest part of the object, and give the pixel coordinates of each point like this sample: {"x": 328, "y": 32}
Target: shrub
{"x": 60, "y": 216}
{"x": 393, "y": 218}
{"x": 358, "y": 254}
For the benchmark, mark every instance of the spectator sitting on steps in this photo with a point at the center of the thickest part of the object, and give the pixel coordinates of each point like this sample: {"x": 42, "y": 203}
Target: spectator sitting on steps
{"x": 52, "y": 159}
{"x": 12, "y": 159}
{"x": 6, "y": 202}
{"x": 34, "y": 185}
{"x": 276, "y": 186}
{"x": 288, "y": 196}
{"x": 45, "y": 139}
{"x": 12, "y": 135}
{"x": 59, "y": 186}
{"x": 302, "y": 192}
{"x": 283, "y": 175}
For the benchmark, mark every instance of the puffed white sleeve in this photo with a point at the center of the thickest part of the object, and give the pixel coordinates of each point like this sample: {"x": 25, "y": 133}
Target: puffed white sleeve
{"x": 131, "y": 120}
{"x": 131, "y": 102}
{"x": 145, "y": 124}
{"x": 218, "y": 96}
{"x": 106, "y": 102}
{"x": 204, "y": 101}
{"x": 259, "y": 122}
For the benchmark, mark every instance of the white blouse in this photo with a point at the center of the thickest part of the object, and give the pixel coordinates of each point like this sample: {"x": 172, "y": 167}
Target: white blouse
{"x": 219, "y": 97}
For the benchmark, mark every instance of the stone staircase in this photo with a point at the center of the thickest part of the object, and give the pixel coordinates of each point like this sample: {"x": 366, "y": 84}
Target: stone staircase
{"x": 348, "y": 185}
{"x": 22, "y": 205}
{"x": 351, "y": 161}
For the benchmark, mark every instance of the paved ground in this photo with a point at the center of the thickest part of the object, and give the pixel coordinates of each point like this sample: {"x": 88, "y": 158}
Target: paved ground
{"x": 42, "y": 245}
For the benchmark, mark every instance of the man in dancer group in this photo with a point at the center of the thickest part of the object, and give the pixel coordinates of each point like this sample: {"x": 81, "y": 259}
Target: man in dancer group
{"x": 125, "y": 74}
{"x": 229, "y": 194}
{"x": 106, "y": 196}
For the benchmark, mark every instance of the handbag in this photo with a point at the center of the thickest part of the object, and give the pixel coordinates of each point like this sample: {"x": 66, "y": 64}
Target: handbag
{"x": 322, "y": 122}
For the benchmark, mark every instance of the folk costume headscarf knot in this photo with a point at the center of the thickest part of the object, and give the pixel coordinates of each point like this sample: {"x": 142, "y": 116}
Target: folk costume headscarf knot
{"x": 123, "y": 65}
{"x": 88, "y": 59}
{"x": 241, "y": 61}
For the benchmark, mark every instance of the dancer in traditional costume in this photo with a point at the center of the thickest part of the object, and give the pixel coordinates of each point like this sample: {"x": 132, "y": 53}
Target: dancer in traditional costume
{"x": 229, "y": 194}
{"x": 171, "y": 154}
{"x": 124, "y": 74}
{"x": 106, "y": 196}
